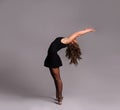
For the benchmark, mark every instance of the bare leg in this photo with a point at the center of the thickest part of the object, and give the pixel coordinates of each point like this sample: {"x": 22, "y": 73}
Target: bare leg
{"x": 55, "y": 72}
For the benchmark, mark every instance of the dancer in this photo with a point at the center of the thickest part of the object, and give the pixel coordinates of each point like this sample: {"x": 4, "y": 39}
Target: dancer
{"x": 53, "y": 61}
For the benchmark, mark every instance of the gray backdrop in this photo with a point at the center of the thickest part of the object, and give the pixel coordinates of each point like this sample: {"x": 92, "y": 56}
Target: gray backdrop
{"x": 27, "y": 27}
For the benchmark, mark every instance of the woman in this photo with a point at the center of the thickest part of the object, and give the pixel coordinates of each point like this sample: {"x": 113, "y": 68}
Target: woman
{"x": 53, "y": 61}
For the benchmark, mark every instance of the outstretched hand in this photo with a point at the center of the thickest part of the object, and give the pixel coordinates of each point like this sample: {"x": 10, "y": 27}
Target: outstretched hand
{"x": 90, "y": 30}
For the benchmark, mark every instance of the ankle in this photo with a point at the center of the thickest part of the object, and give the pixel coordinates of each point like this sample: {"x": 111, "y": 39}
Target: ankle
{"x": 59, "y": 98}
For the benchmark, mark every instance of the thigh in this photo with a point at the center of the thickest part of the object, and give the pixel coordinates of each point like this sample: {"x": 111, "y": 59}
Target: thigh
{"x": 55, "y": 72}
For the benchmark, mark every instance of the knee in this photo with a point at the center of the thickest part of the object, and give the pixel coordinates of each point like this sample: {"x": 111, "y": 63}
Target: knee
{"x": 58, "y": 79}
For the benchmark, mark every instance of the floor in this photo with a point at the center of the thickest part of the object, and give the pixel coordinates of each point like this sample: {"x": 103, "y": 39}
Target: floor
{"x": 10, "y": 101}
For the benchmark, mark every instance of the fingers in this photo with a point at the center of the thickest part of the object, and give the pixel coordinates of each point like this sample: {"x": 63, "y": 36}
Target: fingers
{"x": 90, "y": 29}
{"x": 93, "y": 30}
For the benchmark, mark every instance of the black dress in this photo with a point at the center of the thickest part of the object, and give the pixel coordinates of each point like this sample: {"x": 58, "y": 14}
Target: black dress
{"x": 53, "y": 60}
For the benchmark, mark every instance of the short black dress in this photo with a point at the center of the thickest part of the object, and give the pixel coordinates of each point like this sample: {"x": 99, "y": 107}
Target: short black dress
{"x": 53, "y": 60}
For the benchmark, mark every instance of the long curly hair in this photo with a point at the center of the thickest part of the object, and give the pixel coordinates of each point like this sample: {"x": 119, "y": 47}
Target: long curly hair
{"x": 73, "y": 53}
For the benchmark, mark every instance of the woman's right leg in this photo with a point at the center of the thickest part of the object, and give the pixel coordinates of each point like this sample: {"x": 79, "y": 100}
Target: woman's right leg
{"x": 55, "y": 72}
{"x": 55, "y": 82}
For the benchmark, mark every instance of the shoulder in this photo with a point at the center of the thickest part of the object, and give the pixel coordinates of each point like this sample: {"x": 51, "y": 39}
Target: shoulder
{"x": 65, "y": 40}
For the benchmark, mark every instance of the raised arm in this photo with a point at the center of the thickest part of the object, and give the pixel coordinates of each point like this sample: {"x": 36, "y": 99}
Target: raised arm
{"x": 73, "y": 37}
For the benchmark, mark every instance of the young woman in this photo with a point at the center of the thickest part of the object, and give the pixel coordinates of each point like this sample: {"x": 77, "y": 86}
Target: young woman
{"x": 53, "y": 61}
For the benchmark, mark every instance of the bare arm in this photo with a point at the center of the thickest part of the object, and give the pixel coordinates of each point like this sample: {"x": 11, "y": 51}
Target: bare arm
{"x": 73, "y": 37}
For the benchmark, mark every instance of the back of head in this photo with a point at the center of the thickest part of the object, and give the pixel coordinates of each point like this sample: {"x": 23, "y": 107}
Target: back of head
{"x": 73, "y": 53}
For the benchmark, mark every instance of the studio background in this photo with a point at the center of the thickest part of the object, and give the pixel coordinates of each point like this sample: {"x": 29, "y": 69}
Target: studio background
{"x": 27, "y": 27}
